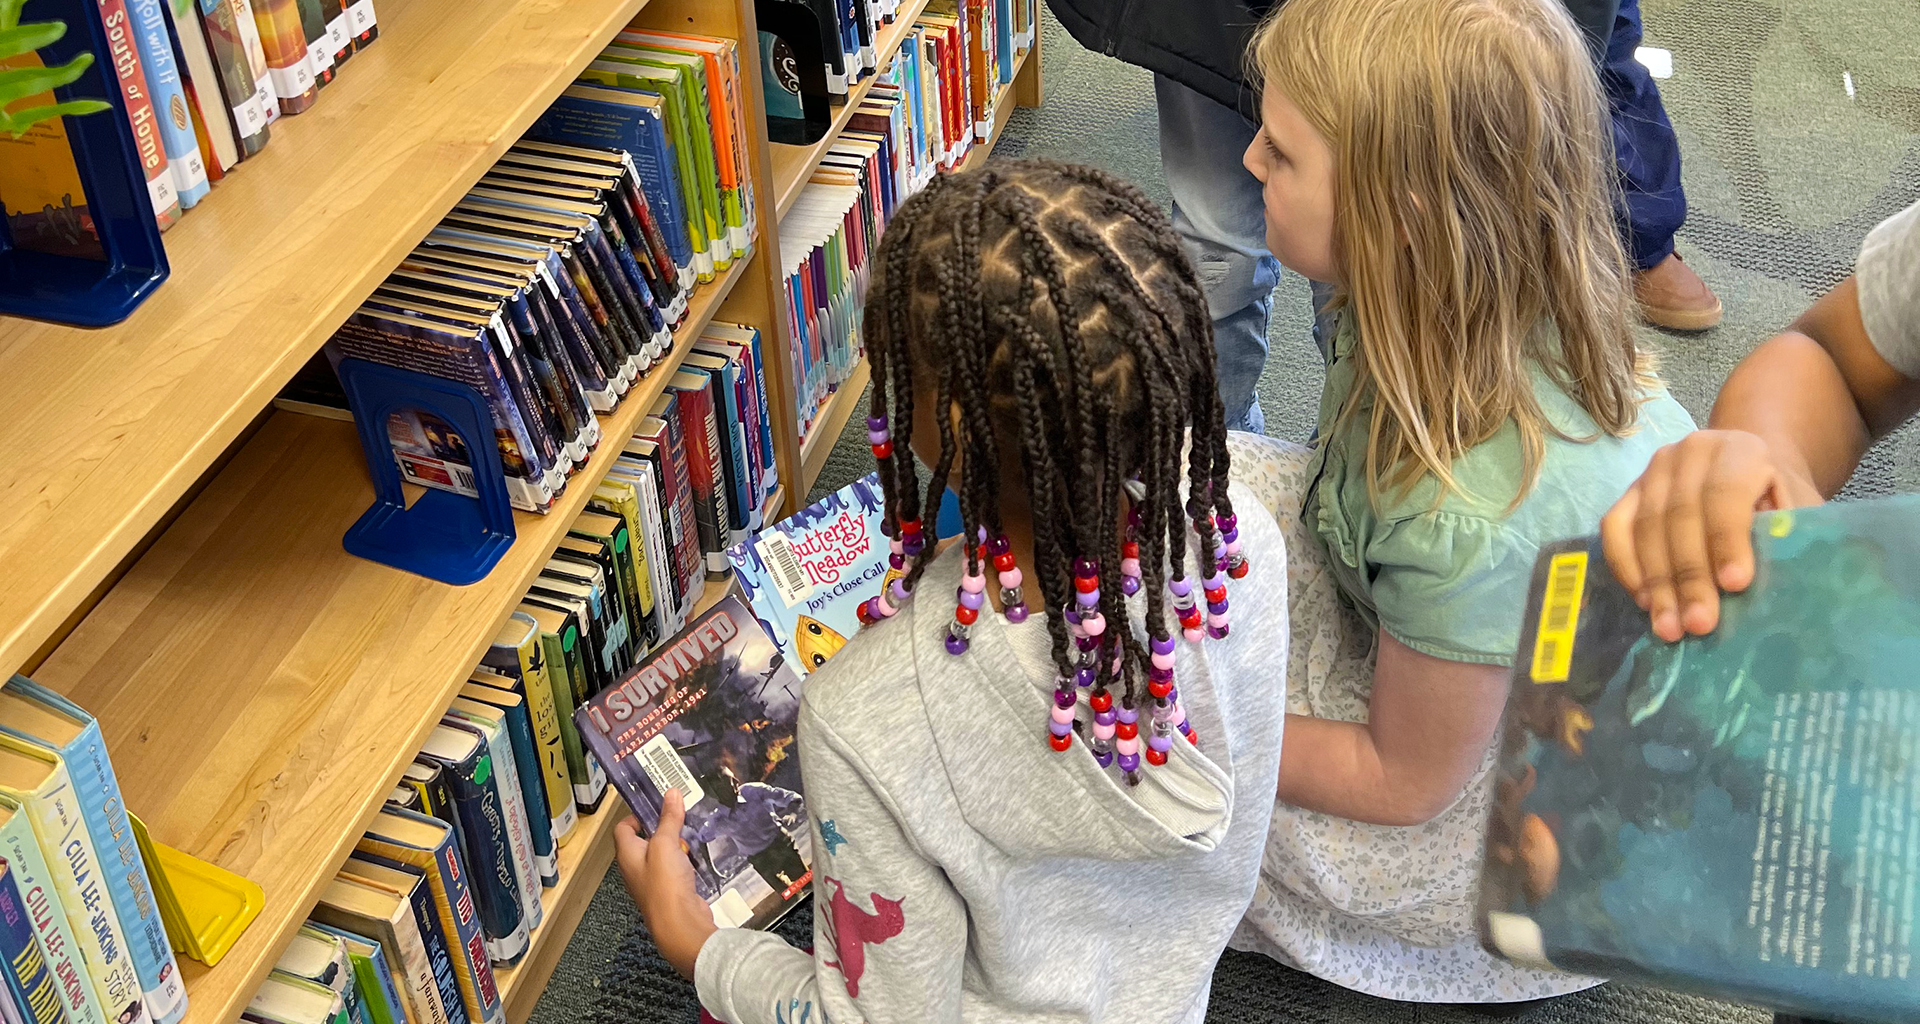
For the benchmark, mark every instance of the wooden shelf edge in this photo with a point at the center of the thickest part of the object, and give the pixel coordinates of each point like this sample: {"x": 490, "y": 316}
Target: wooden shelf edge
{"x": 793, "y": 165}
{"x": 826, "y": 430}
{"x": 583, "y": 862}
{"x": 1004, "y": 104}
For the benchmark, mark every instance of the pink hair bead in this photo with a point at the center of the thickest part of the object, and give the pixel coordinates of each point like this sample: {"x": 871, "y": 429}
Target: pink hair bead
{"x": 1094, "y": 624}
{"x": 1102, "y": 731}
{"x": 1011, "y": 578}
{"x": 973, "y": 584}
{"x": 1127, "y": 746}
{"x": 1192, "y": 635}
{"x": 1130, "y": 566}
{"x": 896, "y": 545}
{"x": 1162, "y": 661}
{"x": 883, "y": 607}
{"x": 1061, "y": 714}
{"x": 1218, "y": 621}
{"x": 1233, "y": 548}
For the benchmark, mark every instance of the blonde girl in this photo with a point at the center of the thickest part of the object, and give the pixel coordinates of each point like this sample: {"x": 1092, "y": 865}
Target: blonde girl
{"x": 1445, "y": 164}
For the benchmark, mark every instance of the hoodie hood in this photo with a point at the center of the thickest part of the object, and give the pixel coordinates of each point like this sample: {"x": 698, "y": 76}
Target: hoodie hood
{"x": 990, "y": 718}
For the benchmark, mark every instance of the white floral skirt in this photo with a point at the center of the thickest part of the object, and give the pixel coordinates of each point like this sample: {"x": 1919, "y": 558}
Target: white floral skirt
{"x": 1383, "y": 910}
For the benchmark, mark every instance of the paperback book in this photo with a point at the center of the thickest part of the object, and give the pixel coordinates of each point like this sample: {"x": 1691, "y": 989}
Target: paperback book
{"x": 1730, "y": 814}
{"x": 712, "y": 714}
{"x": 806, "y": 575}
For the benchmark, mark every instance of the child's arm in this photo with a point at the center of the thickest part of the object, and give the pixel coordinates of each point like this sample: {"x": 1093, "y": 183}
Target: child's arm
{"x": 1429, "y": 724}
{"x": 890, "y": 933}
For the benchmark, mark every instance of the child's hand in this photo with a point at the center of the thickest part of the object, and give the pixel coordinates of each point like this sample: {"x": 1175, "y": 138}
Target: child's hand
{"x": 659, "y": 877}
{"x": 1683, "y": 531}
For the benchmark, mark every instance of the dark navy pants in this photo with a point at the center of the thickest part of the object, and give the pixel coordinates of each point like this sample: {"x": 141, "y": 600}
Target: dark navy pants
{"x": 1645, "y": 149}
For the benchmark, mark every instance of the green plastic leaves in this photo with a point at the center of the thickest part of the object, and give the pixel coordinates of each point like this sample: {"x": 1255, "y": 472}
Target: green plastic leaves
{"x": 17, "y": 84}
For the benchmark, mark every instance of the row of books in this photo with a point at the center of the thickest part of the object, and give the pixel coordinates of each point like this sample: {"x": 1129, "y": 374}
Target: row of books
{"x": 850, "y": 32}
{"x": 203, "y": 81}
{"x": 673, "y": 102}
{"x": 81, "y": 935}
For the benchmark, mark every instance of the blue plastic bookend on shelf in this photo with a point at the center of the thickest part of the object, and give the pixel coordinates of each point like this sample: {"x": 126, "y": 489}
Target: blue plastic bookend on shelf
{"x": 71, "y": 289}
{"x": 448, "y": 537}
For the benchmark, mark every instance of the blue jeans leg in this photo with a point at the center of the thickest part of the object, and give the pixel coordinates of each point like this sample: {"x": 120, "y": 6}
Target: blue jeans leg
{"x": 1218, "y": 212}
{"x": 1645, "y": 148}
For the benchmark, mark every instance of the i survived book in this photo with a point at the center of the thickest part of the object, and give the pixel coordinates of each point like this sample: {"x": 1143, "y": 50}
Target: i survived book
{"x": 712, "y": 714}
{"x": 806, "y": 575}
{"x": 1732, "y": 814}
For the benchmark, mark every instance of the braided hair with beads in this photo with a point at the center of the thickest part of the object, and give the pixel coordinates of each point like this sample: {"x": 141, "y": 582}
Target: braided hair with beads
{"x": 1052, "y": 310}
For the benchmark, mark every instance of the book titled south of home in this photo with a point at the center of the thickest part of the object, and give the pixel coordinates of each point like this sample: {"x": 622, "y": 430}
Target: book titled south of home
{"x": 712, "y": 714}
{"x": 807, "y": 574}
{"x": 1732, "y": 814}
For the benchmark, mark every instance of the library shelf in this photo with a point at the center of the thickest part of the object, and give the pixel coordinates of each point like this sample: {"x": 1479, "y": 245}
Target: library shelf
{"x": 844, "y": 405}
{"x": 262, "y": 690}
{"x": 107, "y": 430}
{"x": 792, "y": 165}
{"x": 1004, "y": 102}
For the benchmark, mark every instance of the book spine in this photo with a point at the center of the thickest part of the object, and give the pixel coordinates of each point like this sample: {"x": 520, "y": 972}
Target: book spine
{"x": 711, "y": 511}
{"x": 531, "y": 780}
{"x": 126, "y": 874}
{"x": 731, "y": 417}
{"x": 172, "y": 117}
{"x": 503, "y": 785}
{"x": 441, "y": 986}
{"x": 30, "y": 872}
{"x": 121, "y": 41}
{"x": 676, "y": 469}
{"x": 339, "y": 30}
{"x": 247, "y": 31}
{"x": 234, "y": 85}
{"x": 409, "y": 954}
{"x": 29, "y": 983}
{"x": 377, "y": 988}
{"x": 313, "y": 27}
{"x": 489, "y": 856}
{"x": 456, "y": 919}
{"x": 587, "y": 789}
{"x": 528, "y": 665}
{"x": 75, "y": 864}
{"x": 363, "y": 23}
{"x": 285, "y": 44}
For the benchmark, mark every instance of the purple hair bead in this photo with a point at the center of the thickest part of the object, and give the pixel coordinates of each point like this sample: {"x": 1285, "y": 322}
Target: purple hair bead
{"x": 1083, "y": 676}
{"x": 876, "y": 437}
{"x": 897, "y": 562}
{"x": 1104, "y": 758}
{"x": 1086, "y": 643}
{"x": 1160, "y": 743}
{"x": 1059, "y": 728}
{"x": 1217, "y": 580}
{"x": 1185, "y": 728}
{"x": 1217, "y": 607}
{"x": 1229, "y": 522}
{"x": 1229, "y": 536}
{"x": 876, "y": 423}
{"x": 1217, "y": 632}
{"x": 1087, "y": 598}
{"x": 999, "y": 545}
{"x": 956, "y": 645}
{"x": 899, "y": 591}
{"x": 1016, "y": 613}
{"x": 1083, "y": 566}
{"x": 1163, "y": 645}
{"x": 973, "y": 599}
{"x": 1129, "y": 585}
{"x": 1129, "y": 762}
{"x": 1181, "y": 586}
{"x": 914, "y": 545}
{"x": 1127, "y": 714}
{"x": 1072, "y": 616}
{"x": 1104, "y": 717}
{"x": 1064, "y": 697}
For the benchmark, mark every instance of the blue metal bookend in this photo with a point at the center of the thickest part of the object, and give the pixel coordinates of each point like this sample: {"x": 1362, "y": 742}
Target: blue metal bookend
{"x": 448, "y": 537}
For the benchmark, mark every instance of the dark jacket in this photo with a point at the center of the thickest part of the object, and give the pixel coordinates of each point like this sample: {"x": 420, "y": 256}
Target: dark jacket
{"x": 1202, "y": 44}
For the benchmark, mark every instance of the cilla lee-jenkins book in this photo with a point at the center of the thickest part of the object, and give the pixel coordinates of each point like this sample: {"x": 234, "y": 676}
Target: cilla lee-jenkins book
{"x": 1736, "y": 814}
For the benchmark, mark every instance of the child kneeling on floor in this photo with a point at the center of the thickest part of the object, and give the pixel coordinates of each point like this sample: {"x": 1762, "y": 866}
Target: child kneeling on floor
{"x": 1445, "y": 164}
{"x": 1041, "y": 787}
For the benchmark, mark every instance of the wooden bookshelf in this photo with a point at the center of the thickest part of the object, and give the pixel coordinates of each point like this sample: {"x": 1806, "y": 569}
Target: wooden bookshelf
{"x": 844, "y": 405}
{"x": 261, "y": 690}
{"x": 583, "y": 862}
{"x": 793, "y": 165}
{"x": 107, "y": 429}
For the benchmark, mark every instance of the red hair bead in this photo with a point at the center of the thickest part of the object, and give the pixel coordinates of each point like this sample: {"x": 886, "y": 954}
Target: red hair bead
{"x": 1060, "y": 742}
{"x": 965, "y": 615}
{"x": 1003, "y": 563}
{"x": 1238, "y": 570}
{"x": 883, "y": 449}
{"x": 1156, "y": 757}
{"x": 1085, "y": 584}
{"x": 1101, "y": 702}
{"x": 1159, "y": 689}
{"x": 1126, "y": 730}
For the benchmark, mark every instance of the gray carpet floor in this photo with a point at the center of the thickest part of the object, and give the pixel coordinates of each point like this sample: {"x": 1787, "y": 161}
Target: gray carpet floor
{"x": 1800, "y": 125}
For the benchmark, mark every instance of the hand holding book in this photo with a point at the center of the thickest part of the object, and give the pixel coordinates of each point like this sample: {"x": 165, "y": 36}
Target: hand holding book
{"x": 659, "y": 877}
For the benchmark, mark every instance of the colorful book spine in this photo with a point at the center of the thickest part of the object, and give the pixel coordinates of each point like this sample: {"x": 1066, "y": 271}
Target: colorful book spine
{"x": 285, "y": 42}
{"x": 527, "y": 775}
{"x": 74, "y": 861}
{"x": 454, "y": 908}
{"x": 172, "y": 115}
{"x": 122, "y": 39}
{"x": 320, "y": 50}
{"x": 517, "y": 654}
{"x": 29, "y": 983}
{"x": 373, "y": 974}
{"x": 579, "y": 118}
{"x": 442, "y": 977}
{"x": 701, "y": 429}
{"x": 124, "y": 869}
{"x": 489, "y": 853}
{"x": 35, "y": 880}
{"x": 246, "y": 29}
{"x": 400, "y": 936}
{"x": 234, "y": 88}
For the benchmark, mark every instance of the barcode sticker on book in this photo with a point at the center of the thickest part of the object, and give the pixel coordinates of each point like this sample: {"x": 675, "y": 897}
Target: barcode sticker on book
{"x": 783, "y": 568}
{"x": 1559, "y": 617}
{"x": 664, "y": 766}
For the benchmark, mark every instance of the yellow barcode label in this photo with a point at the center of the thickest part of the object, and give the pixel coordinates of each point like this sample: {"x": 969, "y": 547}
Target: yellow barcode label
{"x": 1559, "y": 617}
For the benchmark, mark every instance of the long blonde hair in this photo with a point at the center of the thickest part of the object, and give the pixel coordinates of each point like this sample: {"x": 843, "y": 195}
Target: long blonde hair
{"x": 1474, "y": 190}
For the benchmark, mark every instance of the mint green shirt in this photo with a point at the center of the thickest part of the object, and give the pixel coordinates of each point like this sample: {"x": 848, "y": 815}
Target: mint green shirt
{"x": 1451, "y": 581}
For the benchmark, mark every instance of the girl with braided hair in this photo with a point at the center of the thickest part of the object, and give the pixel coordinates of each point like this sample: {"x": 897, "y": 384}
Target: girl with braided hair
{"x": 1041, "y": 776}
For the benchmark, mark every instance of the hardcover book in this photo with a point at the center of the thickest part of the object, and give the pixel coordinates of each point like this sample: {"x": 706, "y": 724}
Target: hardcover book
{"x": 1730, "y": 814}
{"x": 712, "y": 714}
{"x": 358, "y": 906}
{"x": 57, "y": 946}
{"x": 379, "y": 991}
{"x": 486, "y": 846}
{"x": 512, "y": 710}
{"x": 443, "y": 948}
{"x": 427, "y": 845}
{"x": 30, "y": 985}
{"x": 518, "y": 655}
{"x": 806, "y": 575}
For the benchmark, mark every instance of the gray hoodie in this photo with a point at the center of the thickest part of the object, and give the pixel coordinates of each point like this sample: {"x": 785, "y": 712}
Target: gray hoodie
{"x": 964, "y": 871}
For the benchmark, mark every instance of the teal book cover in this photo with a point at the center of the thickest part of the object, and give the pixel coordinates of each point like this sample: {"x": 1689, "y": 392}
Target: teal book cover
{"x": 1732, "y": 814}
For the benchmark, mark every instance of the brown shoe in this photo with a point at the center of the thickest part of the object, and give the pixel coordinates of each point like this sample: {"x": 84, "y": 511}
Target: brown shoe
{"x": 1672, "y": 296}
